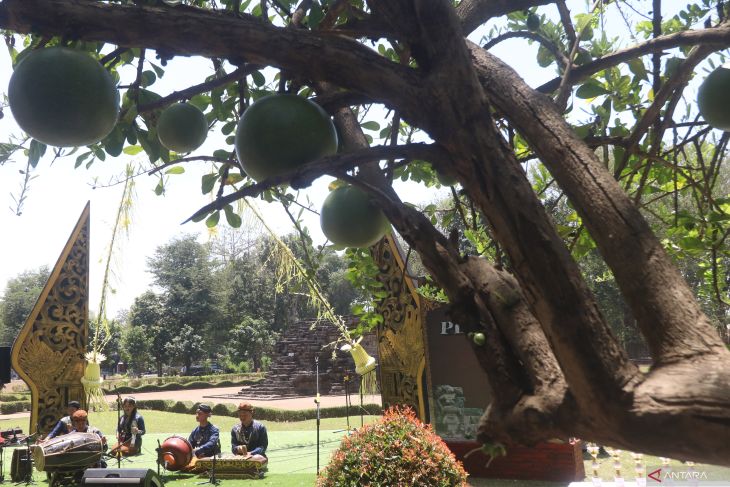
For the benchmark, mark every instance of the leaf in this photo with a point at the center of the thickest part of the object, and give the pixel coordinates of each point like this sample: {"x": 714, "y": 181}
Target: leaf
{"x": 133, "y": 150}
{"x": 175, "y": 170}
{"x": 231, "y": 217}
{"x": 160, "y": 188}
{"x": 37, "y": 149}
{"x": 209, "y": 182}
{"x": 212, "y": 220}
{"x": 371, "y": 125}
{"x": 637, "y": 67}
{"x": 591, "y": 89}
{"x": 258, "y": 78}
{"x": 80, "y": 159}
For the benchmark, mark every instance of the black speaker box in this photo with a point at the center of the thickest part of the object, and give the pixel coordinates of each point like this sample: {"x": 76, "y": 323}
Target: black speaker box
{"x": 5, "y": 365}
{"x": 121, "y": 477}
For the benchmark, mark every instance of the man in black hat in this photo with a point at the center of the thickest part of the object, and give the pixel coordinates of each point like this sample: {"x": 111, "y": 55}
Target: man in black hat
{"x": 64, "y": 424}
{"x": 204, "y": 438}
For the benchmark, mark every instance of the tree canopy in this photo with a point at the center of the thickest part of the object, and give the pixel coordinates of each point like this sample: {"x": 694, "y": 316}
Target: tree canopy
{"x": 609, "y": 155}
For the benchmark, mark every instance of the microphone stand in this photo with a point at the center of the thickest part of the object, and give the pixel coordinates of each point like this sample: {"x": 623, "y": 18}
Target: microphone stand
{"x": 316, "y": 400}
{"x": 211, "y": 474}
{"x": 118, "y": 453}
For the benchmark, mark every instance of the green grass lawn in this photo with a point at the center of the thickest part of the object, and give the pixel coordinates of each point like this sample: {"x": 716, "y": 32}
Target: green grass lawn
{"x": 293, "y": 451}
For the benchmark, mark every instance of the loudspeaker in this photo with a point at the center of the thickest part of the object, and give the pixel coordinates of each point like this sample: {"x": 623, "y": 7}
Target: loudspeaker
{"x": 121, "y": 477}
{"x": 5, "y": 365}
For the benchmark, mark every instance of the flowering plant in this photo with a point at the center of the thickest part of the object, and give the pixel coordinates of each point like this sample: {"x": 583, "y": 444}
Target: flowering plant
{"x": 397, "y": 450}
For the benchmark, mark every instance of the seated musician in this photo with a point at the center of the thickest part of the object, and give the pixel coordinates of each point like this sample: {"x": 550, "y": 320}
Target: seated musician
{"x": 80, "y": 424}
{"x": 249, "y": 437}
{"x": 129, "y": 430}
{"x": 63, "y": 425}
{"x": 204, "y": 438}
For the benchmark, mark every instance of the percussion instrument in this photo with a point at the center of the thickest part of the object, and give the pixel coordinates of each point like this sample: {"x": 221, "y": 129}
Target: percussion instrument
{"x": 175, "y": 453}
{"x": 230, "y": 466}
{"x": 21, "y": 467}
{"x": 70, "y": 451}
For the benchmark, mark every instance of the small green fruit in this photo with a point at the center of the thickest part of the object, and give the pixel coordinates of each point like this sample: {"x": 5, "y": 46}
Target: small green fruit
{"x": 63, "y": 97}
{"x": 182, "y": 127}
{"x": 713, "y": 98}
{"x": 350, "y": 219}
{"x": 445, "y": 179}
{"x": 280, "y": 133}
{"x": 533, "y": 22}
{"x": 479, "y": 339}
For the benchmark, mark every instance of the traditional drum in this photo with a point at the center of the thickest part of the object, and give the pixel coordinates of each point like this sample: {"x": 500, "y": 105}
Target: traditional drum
{"x": 175, "y": 453}
{"x": 21, "y": 467}
{"x": 74, "y": 450}
{"x": 230, "y": 466}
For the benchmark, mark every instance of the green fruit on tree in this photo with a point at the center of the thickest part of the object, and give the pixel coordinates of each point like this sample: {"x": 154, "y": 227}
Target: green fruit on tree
{"x": 713, "y": 98}
{"x": 479, "y": 339}
{"x": 533, "y": 22}
{"x": 348, "y": 218}
{"x": 63, "y": 97}
{"x": 280, "y": 133}
{"x": 182, "y": 127}
{"x": 445, "y": 179}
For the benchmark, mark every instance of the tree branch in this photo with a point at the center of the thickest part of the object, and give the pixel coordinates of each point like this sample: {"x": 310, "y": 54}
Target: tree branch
{"x": 474, "y": 13}
{"x": 560, "y": 57}
{"x": 716, "y": 37}
{"x": 304, "y": 176}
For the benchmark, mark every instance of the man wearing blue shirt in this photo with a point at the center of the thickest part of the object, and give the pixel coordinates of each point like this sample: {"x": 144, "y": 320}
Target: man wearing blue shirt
{"x": 64, "y": 424}
{"x": 249, "y": 437}
{"x": 204, "y": 438}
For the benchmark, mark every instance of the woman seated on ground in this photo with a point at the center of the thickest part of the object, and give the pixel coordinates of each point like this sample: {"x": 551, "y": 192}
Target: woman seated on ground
{"x": 129, "y": 430}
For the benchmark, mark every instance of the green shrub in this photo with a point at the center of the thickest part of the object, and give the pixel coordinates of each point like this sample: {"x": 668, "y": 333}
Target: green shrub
{"x": 14, "y": 407}
{"x": 397, "y": 450}
{"x": 262, "y": 413}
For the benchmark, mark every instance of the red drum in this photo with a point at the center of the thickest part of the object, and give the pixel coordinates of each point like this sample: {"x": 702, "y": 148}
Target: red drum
{"x": 73, "y": 450}
{"x": 175, "y": 453}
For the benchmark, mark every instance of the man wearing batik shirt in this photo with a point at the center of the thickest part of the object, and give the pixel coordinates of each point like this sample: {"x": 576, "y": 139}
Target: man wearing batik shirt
{"x": 249, "y": 437}
{"x": 204, "y": 438}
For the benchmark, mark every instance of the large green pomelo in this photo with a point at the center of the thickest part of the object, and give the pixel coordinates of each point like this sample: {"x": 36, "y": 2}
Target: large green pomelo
{"x": 63, "y": 97}
{"x": 350, "y": 219}
{"x": 713, "y": 98}
{"x": 182, "y": 127}
{"x": 280, "y": 133}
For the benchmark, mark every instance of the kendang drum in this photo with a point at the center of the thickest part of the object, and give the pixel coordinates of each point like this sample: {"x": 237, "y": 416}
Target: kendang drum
{"x": 68, "y": 452}
{"x": 175, "y": 453}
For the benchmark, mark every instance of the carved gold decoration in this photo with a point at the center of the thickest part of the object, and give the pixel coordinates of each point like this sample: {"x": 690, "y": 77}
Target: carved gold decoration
{"x": 48, "y": 352}
{"x": 401, "y": 345}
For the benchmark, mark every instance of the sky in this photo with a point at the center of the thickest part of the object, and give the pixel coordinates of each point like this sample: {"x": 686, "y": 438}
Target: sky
{"x": 58, "y": 194}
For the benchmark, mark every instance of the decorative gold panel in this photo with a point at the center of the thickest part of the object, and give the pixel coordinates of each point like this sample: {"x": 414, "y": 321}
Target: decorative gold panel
{"x": 401, "y": 346}
{"x": 48, "y": 353}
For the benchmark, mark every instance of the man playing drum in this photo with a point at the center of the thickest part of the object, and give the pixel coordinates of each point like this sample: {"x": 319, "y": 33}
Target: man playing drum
{"x": 80, "y": 424}
{"x": 249, "y": 437}
{"x": 64, "y": 424}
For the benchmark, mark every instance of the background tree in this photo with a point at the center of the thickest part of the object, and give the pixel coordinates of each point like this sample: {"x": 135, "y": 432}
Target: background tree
{"x": 135, "y": 346}
{"x": 606, "y": 128}
{"x": 186, "y": 346}
{"x": 18, "y": 300}
{"x": 252, "y": 339}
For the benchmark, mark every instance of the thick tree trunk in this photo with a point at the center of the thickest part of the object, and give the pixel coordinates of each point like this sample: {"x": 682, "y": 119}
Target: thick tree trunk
{"x": 553, "y": 363}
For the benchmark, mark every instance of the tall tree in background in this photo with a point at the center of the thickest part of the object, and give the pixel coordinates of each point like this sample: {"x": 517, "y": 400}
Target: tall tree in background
{"x": 606, "y": 128}
{"x": 18, "y": 300}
